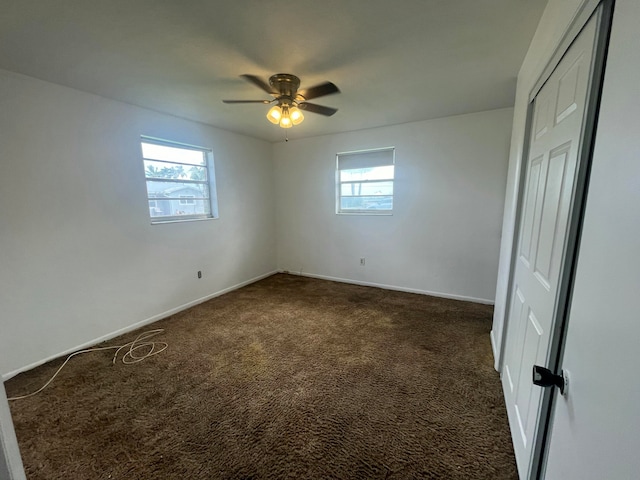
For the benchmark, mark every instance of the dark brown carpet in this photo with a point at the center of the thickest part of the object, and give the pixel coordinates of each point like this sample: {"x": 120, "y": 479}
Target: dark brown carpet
{"x": 289, "y": 377}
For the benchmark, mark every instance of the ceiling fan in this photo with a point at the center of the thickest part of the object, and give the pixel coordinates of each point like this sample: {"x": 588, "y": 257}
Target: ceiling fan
{"x": 290, "y": 101}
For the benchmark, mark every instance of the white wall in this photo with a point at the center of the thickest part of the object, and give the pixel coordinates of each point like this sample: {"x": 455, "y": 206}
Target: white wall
{"x": 79, "y": 258}
{"x": 444, "y": 234}
{"x": 555, "y": 20}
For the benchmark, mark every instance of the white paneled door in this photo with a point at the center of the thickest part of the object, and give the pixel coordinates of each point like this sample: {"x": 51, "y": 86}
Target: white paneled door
{"x": 596, "y": 428}
{"x": 554, "y": 141}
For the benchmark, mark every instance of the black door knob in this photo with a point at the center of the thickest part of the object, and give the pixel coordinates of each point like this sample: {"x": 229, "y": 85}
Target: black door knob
{"x": 543, "y": 377}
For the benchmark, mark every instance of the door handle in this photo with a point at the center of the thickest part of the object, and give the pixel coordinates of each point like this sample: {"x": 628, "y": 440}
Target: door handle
{"x": 543, "y": 377}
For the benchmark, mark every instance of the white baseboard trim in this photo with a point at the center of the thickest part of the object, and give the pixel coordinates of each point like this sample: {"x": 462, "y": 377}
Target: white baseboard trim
{"x": 452, "y": 296}
{"x": 135, "y": 326}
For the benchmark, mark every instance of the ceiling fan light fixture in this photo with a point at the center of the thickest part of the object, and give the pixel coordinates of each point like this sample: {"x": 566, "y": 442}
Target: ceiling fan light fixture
{"x": 274, "y": 114}
{"x": 285, "y": 121}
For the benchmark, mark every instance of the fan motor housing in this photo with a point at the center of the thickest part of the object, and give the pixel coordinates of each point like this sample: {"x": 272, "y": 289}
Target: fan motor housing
{"x": 285, "y": 83}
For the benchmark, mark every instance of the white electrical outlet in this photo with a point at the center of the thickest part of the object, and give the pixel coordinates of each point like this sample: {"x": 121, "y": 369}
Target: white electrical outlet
{"x": 362, "y": 261}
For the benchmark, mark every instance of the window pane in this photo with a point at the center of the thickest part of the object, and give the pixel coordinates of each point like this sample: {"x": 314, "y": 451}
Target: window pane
{"x": 373, "y": 173}
{"x": 365, "y": 181}
{"x": 168, "y": 170}
{"x": 173, "y": 208}
{"x": 366, "y": 158}
{"x": 177, "y": 180}
{"x": 366, "y": 203}
{"x": 372, "y": 188}
{"x": 173, "y": 154}
{"x": 159, "y": 189}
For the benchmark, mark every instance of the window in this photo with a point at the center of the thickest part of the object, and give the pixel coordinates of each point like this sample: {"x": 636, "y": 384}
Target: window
{"x": 365, "y": 181}
{"x": 180, "y": 181}
{"x": 153, "y": 205}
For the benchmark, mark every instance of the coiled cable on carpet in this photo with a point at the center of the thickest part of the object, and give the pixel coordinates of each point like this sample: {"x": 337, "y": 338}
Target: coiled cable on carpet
{"x": 132, "y": 355}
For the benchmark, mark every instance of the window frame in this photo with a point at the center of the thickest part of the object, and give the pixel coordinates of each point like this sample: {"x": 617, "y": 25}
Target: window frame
{"x": 339, "y": 183}
{"x": 208, "y": 182}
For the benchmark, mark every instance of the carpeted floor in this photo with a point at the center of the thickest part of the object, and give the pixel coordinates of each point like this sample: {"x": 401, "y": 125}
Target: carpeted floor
{"x": 289, "y": 377}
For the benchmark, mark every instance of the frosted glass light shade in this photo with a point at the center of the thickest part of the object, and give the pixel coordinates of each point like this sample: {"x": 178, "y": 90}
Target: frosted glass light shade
{"x": 296, "y": 115}
{"x": 274, "y": 114}
{"x": 285, "y": 122}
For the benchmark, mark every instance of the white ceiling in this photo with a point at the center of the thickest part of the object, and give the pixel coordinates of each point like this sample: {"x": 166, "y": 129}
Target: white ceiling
{"x": 394, "y": 61}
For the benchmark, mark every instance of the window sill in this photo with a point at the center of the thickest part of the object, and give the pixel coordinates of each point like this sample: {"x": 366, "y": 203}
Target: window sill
{"x": 181, "y": 220}
{"x": 367, "y": 214}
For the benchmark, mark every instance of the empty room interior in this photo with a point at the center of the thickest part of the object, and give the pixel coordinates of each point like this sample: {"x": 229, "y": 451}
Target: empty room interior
{"x": 358, "y": 239}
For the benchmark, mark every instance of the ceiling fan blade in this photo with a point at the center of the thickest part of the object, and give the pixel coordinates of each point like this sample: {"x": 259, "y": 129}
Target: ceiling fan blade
{"x": 258, "y": 82}
{"x": 266, "y": 102}
{"x": 326, "y": 88}
{"x": 322, "y": 110}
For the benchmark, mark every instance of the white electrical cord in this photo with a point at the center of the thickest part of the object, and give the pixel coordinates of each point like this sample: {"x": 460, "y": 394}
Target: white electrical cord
{"x": 131, "y": 356}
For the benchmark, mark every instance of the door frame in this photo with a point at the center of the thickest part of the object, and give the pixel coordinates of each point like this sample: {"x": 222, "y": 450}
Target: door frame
{"x": 604, "y": 11}
{"x": 10, "y": 459}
